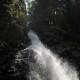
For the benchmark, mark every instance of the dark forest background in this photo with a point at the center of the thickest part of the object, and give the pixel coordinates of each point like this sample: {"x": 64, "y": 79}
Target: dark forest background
{"x": 57, "y": 23}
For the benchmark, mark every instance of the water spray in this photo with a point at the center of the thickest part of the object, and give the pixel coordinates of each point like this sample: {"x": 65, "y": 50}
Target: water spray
{"x": 47, "y": 65}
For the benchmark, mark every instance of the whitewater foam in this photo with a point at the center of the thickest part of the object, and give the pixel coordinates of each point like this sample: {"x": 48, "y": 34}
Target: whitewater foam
{"x": 47, "y": 65}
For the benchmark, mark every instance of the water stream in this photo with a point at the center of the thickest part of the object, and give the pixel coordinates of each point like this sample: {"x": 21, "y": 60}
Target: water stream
{"x": 46, "y": 65}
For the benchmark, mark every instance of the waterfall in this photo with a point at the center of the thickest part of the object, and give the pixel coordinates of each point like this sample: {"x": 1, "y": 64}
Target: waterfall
{"x": 46, "y": 65}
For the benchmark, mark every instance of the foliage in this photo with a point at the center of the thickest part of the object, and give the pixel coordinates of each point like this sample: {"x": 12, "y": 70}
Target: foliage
{"x": 57, "y": 22}
{"x": 12, "y": 35}
{"x": 53, "y": 20}
{"x": 13, "y": 21}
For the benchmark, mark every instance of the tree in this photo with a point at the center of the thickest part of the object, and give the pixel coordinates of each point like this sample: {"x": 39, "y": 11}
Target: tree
{"x": 13, "y": 21}
{"x": 12, "y": 34}
{"x": 49, "y": 19}
{"x": 55, "y": 23}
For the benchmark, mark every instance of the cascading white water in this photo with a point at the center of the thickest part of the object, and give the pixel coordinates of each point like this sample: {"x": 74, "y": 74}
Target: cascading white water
{"x": 47, "y": 65}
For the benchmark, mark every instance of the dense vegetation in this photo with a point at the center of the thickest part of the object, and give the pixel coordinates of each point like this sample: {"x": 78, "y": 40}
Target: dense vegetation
{"x": 55, "y": 21}
{"x": 12, "y": 36}
{"x": 57, "y": 24}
